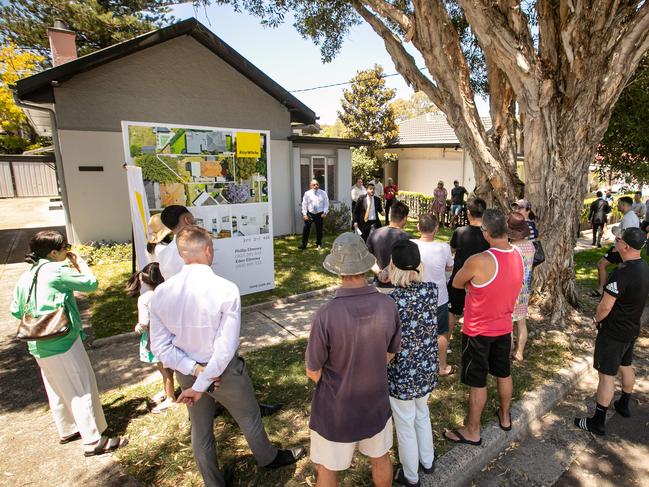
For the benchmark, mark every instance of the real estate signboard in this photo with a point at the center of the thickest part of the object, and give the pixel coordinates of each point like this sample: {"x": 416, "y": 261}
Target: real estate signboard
{"x": 223, "y": 177}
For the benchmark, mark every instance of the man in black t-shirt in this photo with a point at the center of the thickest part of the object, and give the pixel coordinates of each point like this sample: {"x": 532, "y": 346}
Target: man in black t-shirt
{"x": 381, "y": 240}
{"x": 457, "y": 200}
{"x": 466, "y": 241}
{"x": 618, "y": 322}
{"x": 597, "y": 217}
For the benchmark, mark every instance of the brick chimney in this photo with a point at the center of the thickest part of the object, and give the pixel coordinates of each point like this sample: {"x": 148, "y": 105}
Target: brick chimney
{"x": 62, "y": 43}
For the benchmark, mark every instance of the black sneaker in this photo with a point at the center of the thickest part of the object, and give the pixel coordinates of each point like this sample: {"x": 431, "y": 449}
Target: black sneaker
{"x": 623, "y": 410}
{"x": 399, "y": 478}
{"x": 427, "y": 471}
{"x": 587, "y": 424}
{"x": 286, "y": 457}
{"x": 269, "y": 409}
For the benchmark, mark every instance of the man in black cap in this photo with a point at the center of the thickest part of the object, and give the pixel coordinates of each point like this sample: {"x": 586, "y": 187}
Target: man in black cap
{"x": 618, "y": 323}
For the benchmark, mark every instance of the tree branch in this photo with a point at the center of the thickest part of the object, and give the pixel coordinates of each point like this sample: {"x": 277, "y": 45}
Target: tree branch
{"x": 387, "y": 10}
{"x": 504, "y": 35}
{"x": 403, "y": 61}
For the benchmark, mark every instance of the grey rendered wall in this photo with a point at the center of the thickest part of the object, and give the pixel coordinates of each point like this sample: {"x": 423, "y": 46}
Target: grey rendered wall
{"x": 280, "y": 185}
{"x": 178, "y": 81}
{"x": 98, "y": 201}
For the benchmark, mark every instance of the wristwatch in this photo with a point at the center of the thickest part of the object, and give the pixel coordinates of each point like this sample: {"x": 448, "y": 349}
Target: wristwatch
{"x": 194, "y": 369}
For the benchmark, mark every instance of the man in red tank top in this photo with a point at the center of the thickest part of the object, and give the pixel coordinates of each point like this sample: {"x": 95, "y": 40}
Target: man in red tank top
{"x": 492, "y": 280}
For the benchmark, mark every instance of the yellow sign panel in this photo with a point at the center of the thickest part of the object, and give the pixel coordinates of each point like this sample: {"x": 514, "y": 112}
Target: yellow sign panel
{"x": 249, "y": 144}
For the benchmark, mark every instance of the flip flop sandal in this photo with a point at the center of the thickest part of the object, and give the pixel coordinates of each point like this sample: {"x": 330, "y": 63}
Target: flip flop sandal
{"x": 68, "y": 439}
{"x": 452, "y": 371}
{"x": 106, "y": 445}
{"x": 504, "y": 428}
{"x": 461, "y": 439}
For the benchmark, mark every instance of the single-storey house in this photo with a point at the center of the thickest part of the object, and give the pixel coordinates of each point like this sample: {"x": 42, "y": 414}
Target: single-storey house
{"x": 181, "y": 74}
{"x": 428, "y": 151}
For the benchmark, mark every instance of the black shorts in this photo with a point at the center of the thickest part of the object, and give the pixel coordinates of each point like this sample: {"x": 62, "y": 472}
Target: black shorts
{"x": 610, "y": 354}
{"x": 613, "y": 257}
{"x": 455, "y": 299}
{"x": 483, "y": 355}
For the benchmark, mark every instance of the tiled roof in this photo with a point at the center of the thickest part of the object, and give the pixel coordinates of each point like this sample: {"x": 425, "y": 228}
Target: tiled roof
{"x": 430, "y": 129}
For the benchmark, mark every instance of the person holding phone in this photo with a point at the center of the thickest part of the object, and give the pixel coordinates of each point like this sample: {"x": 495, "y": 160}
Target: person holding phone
{"x": 65, "y": 367}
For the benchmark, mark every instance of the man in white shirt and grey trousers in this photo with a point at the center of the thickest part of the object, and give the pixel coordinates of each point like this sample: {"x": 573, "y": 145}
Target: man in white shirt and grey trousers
{"x": 195, "y": 322}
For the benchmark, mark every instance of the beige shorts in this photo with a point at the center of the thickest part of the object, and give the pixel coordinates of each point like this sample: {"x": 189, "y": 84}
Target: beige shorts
{"x": 336, "y": 456}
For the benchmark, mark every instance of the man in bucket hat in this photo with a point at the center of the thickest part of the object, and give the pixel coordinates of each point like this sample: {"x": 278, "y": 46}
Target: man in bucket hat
{"x": 352, "y": 339}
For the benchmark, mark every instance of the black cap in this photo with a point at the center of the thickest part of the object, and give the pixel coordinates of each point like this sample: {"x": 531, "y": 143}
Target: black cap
{"x": 405, "y": 255}
{"x": 634, "y": 237}
{"x": 170, "y": 216}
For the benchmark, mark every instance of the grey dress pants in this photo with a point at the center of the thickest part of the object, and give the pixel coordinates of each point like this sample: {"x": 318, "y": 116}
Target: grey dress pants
{"x": 238, "y": 397}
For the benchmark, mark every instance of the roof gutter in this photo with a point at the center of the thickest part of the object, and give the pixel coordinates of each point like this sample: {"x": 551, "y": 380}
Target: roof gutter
{"x": 72, "y": 238}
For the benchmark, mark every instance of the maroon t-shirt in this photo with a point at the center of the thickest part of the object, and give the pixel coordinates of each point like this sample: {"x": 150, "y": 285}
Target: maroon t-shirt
{"x": 350, "y": 337}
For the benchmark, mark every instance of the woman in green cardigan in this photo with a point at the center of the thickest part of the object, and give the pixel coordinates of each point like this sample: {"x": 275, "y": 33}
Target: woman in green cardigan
{"x": 65, "y": 367}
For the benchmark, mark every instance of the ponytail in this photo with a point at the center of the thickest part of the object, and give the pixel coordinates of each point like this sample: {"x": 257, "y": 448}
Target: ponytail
{"x": 133, "y": 285}
{"x": 150, "y": 275}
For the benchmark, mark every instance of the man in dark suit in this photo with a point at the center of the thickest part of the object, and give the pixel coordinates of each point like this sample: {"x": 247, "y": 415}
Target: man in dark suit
{"x": 597, "y": 217}
{"x": 366, "y": 213}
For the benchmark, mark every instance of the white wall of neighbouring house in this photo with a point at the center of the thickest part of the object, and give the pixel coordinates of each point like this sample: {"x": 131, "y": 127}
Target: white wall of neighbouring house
{"x": 419, "y": 169}
{"x": 344, "y": 172}
{"x": 179, "y": 81}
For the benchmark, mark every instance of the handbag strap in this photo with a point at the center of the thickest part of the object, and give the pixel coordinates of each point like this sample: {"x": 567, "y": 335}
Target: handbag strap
{"x": 33, "y": 286}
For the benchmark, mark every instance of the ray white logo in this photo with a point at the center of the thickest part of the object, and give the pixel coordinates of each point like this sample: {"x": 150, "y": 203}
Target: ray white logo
{"x": 612, "y": 287}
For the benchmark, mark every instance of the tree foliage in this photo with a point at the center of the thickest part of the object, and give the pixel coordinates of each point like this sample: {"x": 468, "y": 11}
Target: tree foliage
{"x": 157, "y": 168}
{"x": 417, "y": 104}
{"x": 98, "y": 23}
{"x": 364, "y": 165}
{"x": 336, "y": 130}
{"x": 14, "y": 64}
{"x": 624, "y": 151}
{"x": 366, "y": 112}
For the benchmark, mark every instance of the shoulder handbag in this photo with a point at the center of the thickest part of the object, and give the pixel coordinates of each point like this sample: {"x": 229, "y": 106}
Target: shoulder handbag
{"x": 49, "y": 325}
{"x": 539, "y": 254}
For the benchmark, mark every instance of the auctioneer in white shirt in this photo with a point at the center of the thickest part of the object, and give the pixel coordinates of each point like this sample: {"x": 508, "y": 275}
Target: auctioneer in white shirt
{"x": 195, "y": 319}
{"x": 315, "y": 202}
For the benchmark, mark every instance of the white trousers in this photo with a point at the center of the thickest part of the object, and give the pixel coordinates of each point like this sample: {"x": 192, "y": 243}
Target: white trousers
{"x": 72, "y": 393}
{"x": 414, "y": 434}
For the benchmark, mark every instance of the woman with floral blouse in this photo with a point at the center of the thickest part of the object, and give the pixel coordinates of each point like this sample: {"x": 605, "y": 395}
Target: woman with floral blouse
{"x": 412, "y": 374}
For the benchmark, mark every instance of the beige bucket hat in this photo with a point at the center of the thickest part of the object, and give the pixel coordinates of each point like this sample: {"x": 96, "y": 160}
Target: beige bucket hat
{"x": 349, "y": 256}
{"x": 157, "y": 229}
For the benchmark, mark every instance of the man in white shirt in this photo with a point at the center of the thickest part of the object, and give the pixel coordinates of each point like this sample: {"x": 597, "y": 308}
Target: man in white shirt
{"x": 358, "y": 191}
{"x": 638, "y": 206}
{"x": 195, "y": 320}
{"x": 177, "y": 217}
{"x": 378, "y": 187}
{"x": 437, "y": 259}
{"x": 315, "y": 206}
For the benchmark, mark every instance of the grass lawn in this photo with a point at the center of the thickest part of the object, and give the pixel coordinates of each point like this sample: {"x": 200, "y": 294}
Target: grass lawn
{"x": 296, "y": 271}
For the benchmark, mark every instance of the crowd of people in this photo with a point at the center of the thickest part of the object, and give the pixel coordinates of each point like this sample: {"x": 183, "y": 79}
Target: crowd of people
{"x": 376, "y": 351}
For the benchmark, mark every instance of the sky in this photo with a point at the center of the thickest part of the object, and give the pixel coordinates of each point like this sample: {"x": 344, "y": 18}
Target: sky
{"x": 295, "y": 63}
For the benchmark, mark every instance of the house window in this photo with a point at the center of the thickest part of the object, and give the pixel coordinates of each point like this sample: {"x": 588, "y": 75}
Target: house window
{"x": 321, "y": 168}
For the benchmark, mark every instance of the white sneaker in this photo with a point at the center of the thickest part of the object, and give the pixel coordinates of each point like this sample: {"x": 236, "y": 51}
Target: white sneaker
{"x": 163, "y": 406}
{"x": 159, "y": 397}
